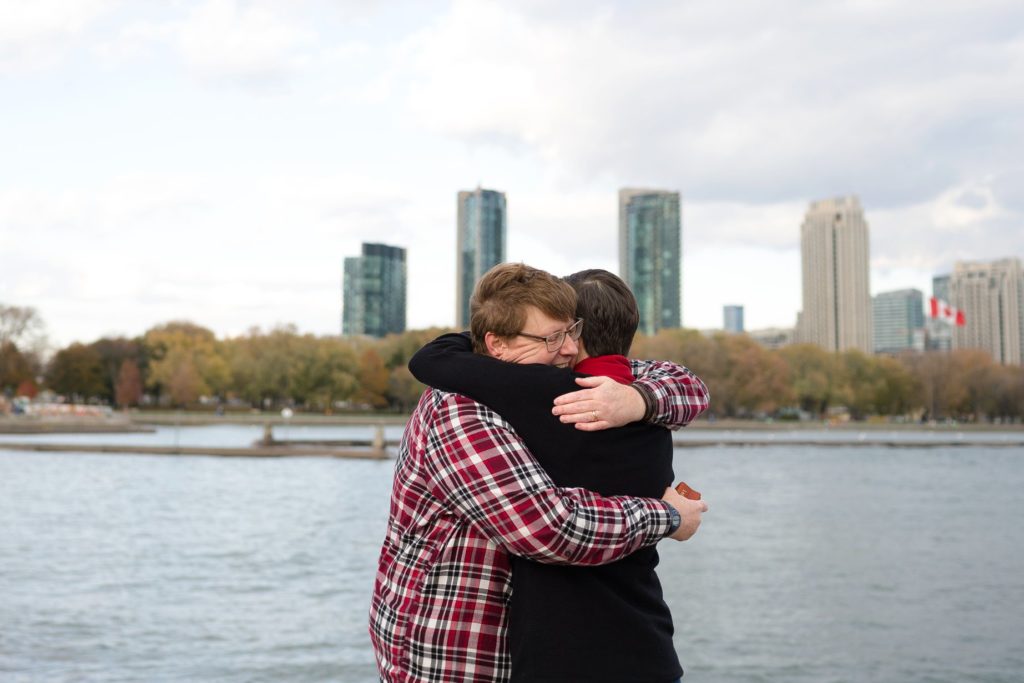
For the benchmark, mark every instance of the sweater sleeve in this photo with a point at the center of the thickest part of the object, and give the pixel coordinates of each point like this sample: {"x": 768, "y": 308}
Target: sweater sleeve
{"x": 483, "y": 471}
{"x": 514, "y": 391}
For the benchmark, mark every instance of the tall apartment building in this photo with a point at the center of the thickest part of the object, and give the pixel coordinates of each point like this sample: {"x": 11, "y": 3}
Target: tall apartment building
{"x": 836, "y": 287}
{"x": 479, "y": 242}
{"x": 650, "y": 255}
{"x": 939, "y": 332}
{"x": 991, "y": 296}
{"x": 374, "y": 292}
{"x": 898, "y": 320}
{"x": 732, "y": 319}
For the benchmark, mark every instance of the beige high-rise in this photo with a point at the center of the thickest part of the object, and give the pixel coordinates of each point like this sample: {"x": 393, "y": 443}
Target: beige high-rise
{"x": 991, "y": 296}
{"x": 836, "y": 288}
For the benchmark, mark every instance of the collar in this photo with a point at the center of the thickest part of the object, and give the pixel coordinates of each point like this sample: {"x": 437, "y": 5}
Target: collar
{"x": 614, "y": 366}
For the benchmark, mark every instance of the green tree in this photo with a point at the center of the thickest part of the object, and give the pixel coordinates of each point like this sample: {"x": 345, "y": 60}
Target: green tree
{"x": 818, "y": 381}
{"x": 76, "y": 372}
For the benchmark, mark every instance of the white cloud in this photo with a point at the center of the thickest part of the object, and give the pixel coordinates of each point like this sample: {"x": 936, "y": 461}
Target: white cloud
{"x": 39, "y": 33}
{"x": 249, "y": 42}
{"x": 763, "y": 102}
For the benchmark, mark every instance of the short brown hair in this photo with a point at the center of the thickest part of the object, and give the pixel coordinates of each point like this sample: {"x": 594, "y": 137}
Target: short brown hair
{"x": 608, "y": 309}
{"x": 501, "y": 296}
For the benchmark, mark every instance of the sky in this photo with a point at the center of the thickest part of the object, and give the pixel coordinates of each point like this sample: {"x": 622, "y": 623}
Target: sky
{"x": 216, "y": 160}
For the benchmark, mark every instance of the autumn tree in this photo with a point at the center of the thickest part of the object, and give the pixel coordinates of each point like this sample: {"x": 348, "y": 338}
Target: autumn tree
{"x": 128, "y": 390}
{"x": 372, "y": 377}
{"x": 186, "y": 362}
{"x": 15, "y": 367}
{"x": 114, "y": 352}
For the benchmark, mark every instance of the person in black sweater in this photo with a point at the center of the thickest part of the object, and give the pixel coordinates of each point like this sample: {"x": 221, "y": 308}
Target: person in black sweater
{"x": 570, "y": 623}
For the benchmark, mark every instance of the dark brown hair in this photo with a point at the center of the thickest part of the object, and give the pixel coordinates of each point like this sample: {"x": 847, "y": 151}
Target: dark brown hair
{"x": 608, "y": 309}
{"x": 501, "y": 296}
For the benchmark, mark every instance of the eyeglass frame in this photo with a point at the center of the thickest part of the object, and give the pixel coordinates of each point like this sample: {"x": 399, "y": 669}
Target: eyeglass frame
{"x": 573, "y": 332}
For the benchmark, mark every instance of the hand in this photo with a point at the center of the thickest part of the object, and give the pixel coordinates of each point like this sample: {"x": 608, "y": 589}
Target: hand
{"x": 605, "y": 403}
{"x": 689, "y": 510}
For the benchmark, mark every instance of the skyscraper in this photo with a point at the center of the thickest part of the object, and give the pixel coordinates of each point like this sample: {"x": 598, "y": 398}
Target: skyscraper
{"x": 991, "y": 296}
{"x": 836, "y": 290}
{"x": 374, "y": 292}
{"x": 732, "y": 319}
{"x": 479, "y": 244}
{"x": 898, "y": 319}
{"x": 650, "y": 254}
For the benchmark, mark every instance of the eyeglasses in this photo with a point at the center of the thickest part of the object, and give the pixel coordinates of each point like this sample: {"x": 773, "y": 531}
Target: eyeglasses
{"x": 553, "y": 342}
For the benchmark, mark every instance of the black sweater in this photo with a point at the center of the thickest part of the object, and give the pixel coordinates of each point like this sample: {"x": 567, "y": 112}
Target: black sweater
{"x": 566, "y": 623}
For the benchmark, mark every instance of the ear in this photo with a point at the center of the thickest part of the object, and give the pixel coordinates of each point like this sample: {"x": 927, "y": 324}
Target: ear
{"x": 496, "y": 346}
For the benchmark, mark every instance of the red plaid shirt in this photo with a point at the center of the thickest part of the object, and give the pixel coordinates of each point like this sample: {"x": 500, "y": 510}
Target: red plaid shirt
{"x": 466, "y": 493}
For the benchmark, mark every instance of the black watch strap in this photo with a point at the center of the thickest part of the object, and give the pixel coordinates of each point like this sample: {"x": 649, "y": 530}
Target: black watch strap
{"x": 677, "y": 520}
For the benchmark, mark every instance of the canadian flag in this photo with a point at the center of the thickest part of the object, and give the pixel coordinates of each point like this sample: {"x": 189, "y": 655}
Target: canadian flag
{"x": 940, "y": 310}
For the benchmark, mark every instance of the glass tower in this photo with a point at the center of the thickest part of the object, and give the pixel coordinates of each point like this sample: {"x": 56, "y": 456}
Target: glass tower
{"x": 480, "y": 244}
{"x": 898, "y": 320}
{"x": 650, "y": 255}
{"x": 733, "y": 319}
{"x": 374, "y": 292}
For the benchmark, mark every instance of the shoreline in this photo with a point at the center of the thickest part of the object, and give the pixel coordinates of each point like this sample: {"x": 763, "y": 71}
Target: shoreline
{"x": 148, "y": 422}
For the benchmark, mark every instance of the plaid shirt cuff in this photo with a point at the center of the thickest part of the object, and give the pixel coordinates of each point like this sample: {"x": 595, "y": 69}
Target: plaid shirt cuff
{"x": 679, "y": 396}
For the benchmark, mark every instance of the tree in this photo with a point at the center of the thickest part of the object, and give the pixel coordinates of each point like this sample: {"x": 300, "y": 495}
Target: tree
{"x": 76, "y": 372}
{"x": 818, "y": 381}
{"x": 403, "y": 389}
{"x": 15, "y": 367}
{"x": 113, "y": 353}
{"x": 372, "y": 377}
{"x": 187, "y": 356}
{"x": 18, "y": 324}
{"x": 128, "y": 390}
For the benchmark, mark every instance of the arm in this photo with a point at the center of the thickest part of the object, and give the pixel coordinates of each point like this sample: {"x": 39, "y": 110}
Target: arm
{"x": 672, "y": 395}
{"x": 514, "y": 391}
{"x": 484, "y": 473}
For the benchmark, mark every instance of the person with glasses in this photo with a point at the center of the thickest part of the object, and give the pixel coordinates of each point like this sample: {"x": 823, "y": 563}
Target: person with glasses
{"x": 468, "y": 493}
{"x": 577, "y": 623}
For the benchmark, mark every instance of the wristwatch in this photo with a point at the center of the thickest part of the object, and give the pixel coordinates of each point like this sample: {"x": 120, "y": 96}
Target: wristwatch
{"x": 677, "y": 520}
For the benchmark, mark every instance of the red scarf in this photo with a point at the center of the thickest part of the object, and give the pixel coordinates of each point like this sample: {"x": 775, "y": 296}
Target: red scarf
{"x": 616, "y": 367}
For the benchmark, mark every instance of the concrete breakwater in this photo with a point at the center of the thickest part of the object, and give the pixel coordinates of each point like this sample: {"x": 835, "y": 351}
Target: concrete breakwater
{"x": 255, "y": 451}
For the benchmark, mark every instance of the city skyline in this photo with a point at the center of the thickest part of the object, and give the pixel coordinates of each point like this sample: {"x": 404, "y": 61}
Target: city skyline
{"x": 211, "y": 160}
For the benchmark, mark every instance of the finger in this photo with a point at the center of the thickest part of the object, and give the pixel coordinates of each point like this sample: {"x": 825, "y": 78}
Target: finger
{"x": 592, "y": 426}
{"x": 573, "y": 397}
{"x": 577, "y": 416}
{"x": 594, "y": 381}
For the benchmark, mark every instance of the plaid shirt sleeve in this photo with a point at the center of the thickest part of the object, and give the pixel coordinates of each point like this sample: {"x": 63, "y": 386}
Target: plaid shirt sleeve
{"x": 484, "y": 472}
{"x": 679, "y": 396}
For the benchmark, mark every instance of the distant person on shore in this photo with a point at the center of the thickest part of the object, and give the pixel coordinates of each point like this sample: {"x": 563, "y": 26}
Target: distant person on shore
{"x": 467, "y": 492}
{"x": 570, "y": 623}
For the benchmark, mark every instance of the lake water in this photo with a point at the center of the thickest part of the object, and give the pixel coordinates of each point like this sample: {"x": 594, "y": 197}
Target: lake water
{"x": 814, "y": 564}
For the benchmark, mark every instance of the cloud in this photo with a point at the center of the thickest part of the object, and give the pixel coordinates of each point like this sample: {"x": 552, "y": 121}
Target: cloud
{"x": 758, "y": 103}
{"x": 38, "y": 34}
{"x": 225, "y": 252}
{"x": 245, "y": 42}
